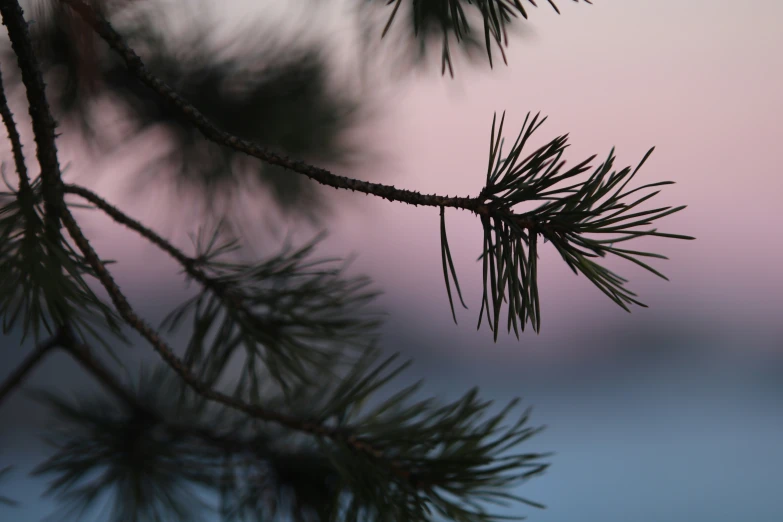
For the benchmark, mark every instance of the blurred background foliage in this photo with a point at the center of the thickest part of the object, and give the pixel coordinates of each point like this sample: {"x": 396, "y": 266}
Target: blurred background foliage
{"x": 158, "y": 451}
{"x": 259, "y": 87}
{"x": 457, "y": 32}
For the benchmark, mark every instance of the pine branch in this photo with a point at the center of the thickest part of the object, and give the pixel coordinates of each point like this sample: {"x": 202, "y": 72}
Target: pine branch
{"x": 38, "y": 251}
{"x": 134, "y": 63}
{"x": 43, "y": 282}
{"x": 189, "y": 264}
{"x": 401, "y": 457}
{"x": 43, "y": 122}
{"x": 451, "y": 449}
{"x": 512, "y": 275}
{"x": 280, "y": 99}
{"x": 567, "y": 218}
{"x": 31, "y": 361}
{"x": 167, "y": 354}
{"x": 306, "y": 301}
{"x": 16, "y": 143}
{"x": 159, "y": 437}
{"x": 400, "y": 460}
{"x": 127, "y": 313}
{"x": 83, "y": 354}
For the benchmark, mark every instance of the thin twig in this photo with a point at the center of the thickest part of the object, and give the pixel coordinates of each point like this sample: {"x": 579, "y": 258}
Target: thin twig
{"x": 32, "y": 360}
{"x": 83, "y": 354}
{"x": 123, "y": 219}
{"x": 188, "y": 263}
{"x": 213, "y": 133}
{"x": 178, "y": 365}
{"x": 43, "y": 122}
{"x": 16, "y": 141}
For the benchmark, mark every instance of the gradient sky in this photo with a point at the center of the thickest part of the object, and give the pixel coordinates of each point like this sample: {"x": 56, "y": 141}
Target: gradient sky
{"x": 702, "y": 81}
{"x": 670, "y": 413}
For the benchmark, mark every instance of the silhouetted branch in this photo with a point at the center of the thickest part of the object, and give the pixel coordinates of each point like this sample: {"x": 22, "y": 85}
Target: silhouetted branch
{"x": 43, "y": 122}
{"x": 16, "y": 141}
{"x": 568, "y": 217}
{"x": 154, "y": 442}
{"x": 30, "y": 362}
{"x": 43, "y": 126}
{"x": 83, "y": 355}
{"x": 188, "y": 263}
{"x": 167, "y": 354}
{"x": 272, "y": 309}
{"x": 398, "y": 458}
{"x": 215, "y": 134}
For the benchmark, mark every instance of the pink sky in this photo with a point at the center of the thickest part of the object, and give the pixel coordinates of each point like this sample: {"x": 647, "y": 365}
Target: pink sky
{"x": 701, "y": 80}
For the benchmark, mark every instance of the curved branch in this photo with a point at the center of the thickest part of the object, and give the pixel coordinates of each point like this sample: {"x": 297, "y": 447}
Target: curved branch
{"x": 83, "y": 355}
{"x": 32, "y": 360}
{"x": 134, "y": 63}
{"x": 230, "y": 295}
{"x": 570, "y": 214}
{"x": 188, "y": 263}
{"x": 167, "y": 354}
{"x": 477, "y": 205}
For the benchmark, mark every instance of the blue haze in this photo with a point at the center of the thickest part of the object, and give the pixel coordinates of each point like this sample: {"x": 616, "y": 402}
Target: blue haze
{"x": 692, "y": 434}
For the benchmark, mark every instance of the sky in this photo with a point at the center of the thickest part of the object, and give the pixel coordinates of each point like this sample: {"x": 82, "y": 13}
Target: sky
{"x": 669, "y": 413}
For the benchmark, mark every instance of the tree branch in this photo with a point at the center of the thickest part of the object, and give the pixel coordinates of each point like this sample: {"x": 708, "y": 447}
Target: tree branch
{"x": 32, "y": 360}
{"x": 569, "y": 215}
{"x": 134, "y": 63}
{"x": 167, "y": 354}
{"x": 16, "y": 141}
{"x": 477, "y": 205}
{"x": 83, "y": 355}
{"x": 43, "y": 122}
{"x": 56, "y": 211}
{"x": 188, "y": 263}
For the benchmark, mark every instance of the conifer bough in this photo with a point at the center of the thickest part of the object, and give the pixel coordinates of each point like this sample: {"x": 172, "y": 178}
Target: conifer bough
{"x": 570, "y": 215}
{"x": 397, "y": 460}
